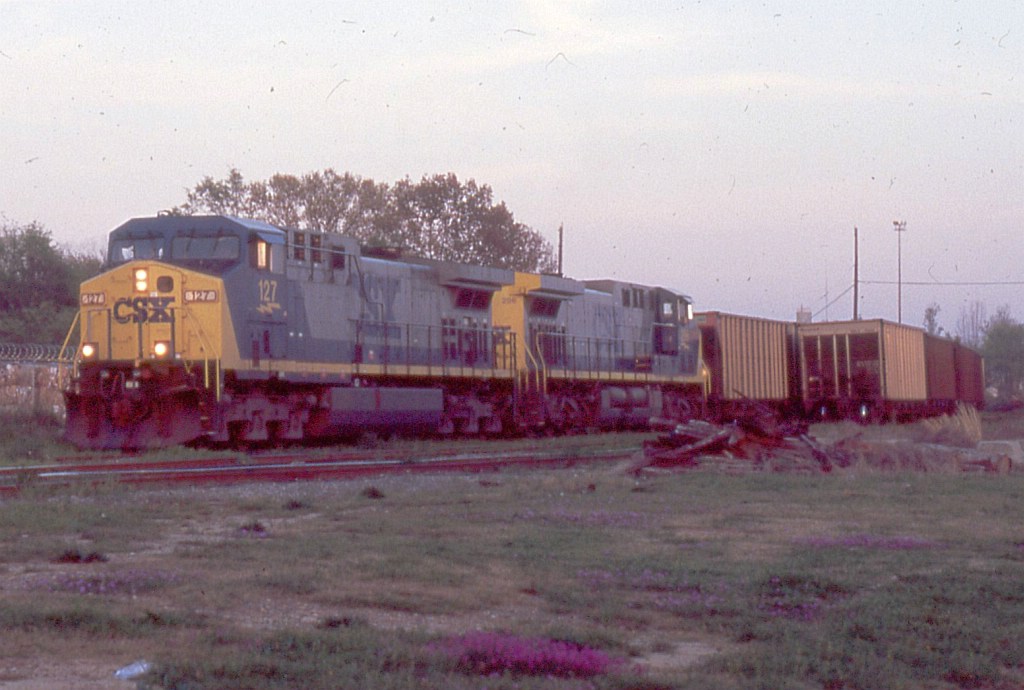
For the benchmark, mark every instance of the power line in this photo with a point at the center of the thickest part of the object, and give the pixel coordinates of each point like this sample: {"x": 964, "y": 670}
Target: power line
{"x": 937, "y": 283}
{"x": 921, "y": 283}
{"x": 838, "y": 297}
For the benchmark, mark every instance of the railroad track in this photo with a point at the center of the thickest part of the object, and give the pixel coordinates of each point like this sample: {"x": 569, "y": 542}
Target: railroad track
{"x": 293, "y": 467}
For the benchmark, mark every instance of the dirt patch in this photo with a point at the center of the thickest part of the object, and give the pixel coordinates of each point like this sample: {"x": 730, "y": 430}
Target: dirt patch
{"x": 680, "y": 655}
{"x": 63, "y": 665}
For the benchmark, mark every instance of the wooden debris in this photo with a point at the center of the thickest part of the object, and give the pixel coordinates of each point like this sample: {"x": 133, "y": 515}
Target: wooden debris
{"x": 741, "y": 447}
{"x": 735, "y": 448}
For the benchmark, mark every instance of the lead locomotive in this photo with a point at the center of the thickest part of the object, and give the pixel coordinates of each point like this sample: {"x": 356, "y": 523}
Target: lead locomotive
{"x": 228, "y": 330}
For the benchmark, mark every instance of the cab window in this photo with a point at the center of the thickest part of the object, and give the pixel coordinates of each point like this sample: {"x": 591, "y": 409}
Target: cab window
{"x": 206, "y": 252}
{"x": 266, "y": 256}
{"x": 262, "y": 255}
{"x": 122, "y": 251}
{"x": 224, "y": 248}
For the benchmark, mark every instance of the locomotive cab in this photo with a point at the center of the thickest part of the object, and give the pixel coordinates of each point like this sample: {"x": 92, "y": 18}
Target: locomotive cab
{"x": 152, "y": 329}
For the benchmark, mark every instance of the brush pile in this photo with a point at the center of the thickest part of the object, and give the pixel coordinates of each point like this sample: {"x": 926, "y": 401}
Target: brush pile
{"x": 739, "y": 447}
{"x": 762, "y": 445}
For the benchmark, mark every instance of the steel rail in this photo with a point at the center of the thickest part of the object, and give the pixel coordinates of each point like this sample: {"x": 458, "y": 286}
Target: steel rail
{"x": 290, "y": 468}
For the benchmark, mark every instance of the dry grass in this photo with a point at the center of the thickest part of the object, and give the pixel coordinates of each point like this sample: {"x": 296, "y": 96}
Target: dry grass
{"x": 962, "y": 429}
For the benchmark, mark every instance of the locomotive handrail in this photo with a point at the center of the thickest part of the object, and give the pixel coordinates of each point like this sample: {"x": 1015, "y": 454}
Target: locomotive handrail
{"x": 207, "y": 348}
{"x": 67, "y": 339}
{"x": 542, "y": 370}
{"x": 446, "y": 354}
{"x": 601, "y": 357}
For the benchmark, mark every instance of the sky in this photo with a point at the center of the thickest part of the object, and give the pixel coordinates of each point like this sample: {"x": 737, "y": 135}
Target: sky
{"x": 726, "y": 150}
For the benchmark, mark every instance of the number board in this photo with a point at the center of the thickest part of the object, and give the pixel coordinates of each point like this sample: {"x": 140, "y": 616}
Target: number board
{"x": 193, "y": 296}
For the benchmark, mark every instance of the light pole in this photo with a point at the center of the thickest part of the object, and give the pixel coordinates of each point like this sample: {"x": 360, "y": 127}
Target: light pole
{"x": 856, "y": 274}
{"x": 900, "y": 226}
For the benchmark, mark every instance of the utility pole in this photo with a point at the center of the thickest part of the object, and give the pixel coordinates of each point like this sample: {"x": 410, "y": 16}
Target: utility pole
{"x": 856, "y": 275}
{"x": 900, "y": 226}
{"x": 561, "y": 232}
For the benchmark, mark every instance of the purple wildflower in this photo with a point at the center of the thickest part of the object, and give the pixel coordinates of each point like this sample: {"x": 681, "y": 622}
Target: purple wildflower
{"x": 796, "y": 598}
{"x": 486, "y": 653}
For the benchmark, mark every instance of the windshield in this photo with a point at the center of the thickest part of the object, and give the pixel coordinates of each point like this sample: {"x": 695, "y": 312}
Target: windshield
{"x": 122, "y": 251}
{"x": 207, "y": 252}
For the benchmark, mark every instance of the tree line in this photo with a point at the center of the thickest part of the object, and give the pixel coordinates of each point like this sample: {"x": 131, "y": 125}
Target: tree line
{"x": 39, "y": 284}
{"x": 439, "y": 217}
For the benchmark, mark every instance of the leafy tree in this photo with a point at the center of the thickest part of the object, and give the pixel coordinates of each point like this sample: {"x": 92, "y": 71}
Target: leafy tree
{"x": 38, "y": 284}
{"x": 30, "y": 268}
{"x": 1003, "y": 350}
{"x": 349, "y": 205}
{"x": 445, "y": 219}
{"x": 230, "y": 196}
{"x": 438, "y": 217}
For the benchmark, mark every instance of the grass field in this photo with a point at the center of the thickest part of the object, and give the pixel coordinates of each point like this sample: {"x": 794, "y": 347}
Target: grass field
{"x": 575, "y": 578}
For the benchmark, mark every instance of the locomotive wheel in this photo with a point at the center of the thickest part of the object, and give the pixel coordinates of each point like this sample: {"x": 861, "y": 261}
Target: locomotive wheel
{"x": 238, "y": 432}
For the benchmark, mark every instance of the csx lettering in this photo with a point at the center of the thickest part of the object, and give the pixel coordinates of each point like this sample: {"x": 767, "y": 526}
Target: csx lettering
{"x": 143, "y": 310}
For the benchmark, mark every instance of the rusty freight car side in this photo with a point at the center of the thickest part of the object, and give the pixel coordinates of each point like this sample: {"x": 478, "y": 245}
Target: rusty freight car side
{"x": 750, "y": 360}
{"x": 970, "y": 375}
{"x": 940, "y": 356}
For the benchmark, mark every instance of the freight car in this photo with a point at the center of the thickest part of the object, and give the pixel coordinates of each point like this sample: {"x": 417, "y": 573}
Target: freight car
{"x": 752, "y": 364}
{"x": 878, "y": 370}
{"x": 232, "y": 330}
{"x": 871, "y": 370}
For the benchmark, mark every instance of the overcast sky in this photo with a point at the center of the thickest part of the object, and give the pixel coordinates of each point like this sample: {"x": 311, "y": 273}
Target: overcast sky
{"x": 724, "y": 149}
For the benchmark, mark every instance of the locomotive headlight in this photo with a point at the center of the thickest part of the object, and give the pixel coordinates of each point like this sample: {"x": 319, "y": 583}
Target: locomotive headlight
{"x": 141, "y": 280}
{"x": 161, "y": 348}
{"x": 88, "y": 350}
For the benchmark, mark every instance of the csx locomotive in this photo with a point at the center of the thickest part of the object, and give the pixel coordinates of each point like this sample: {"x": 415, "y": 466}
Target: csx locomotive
{"x": 236, "y": 331}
